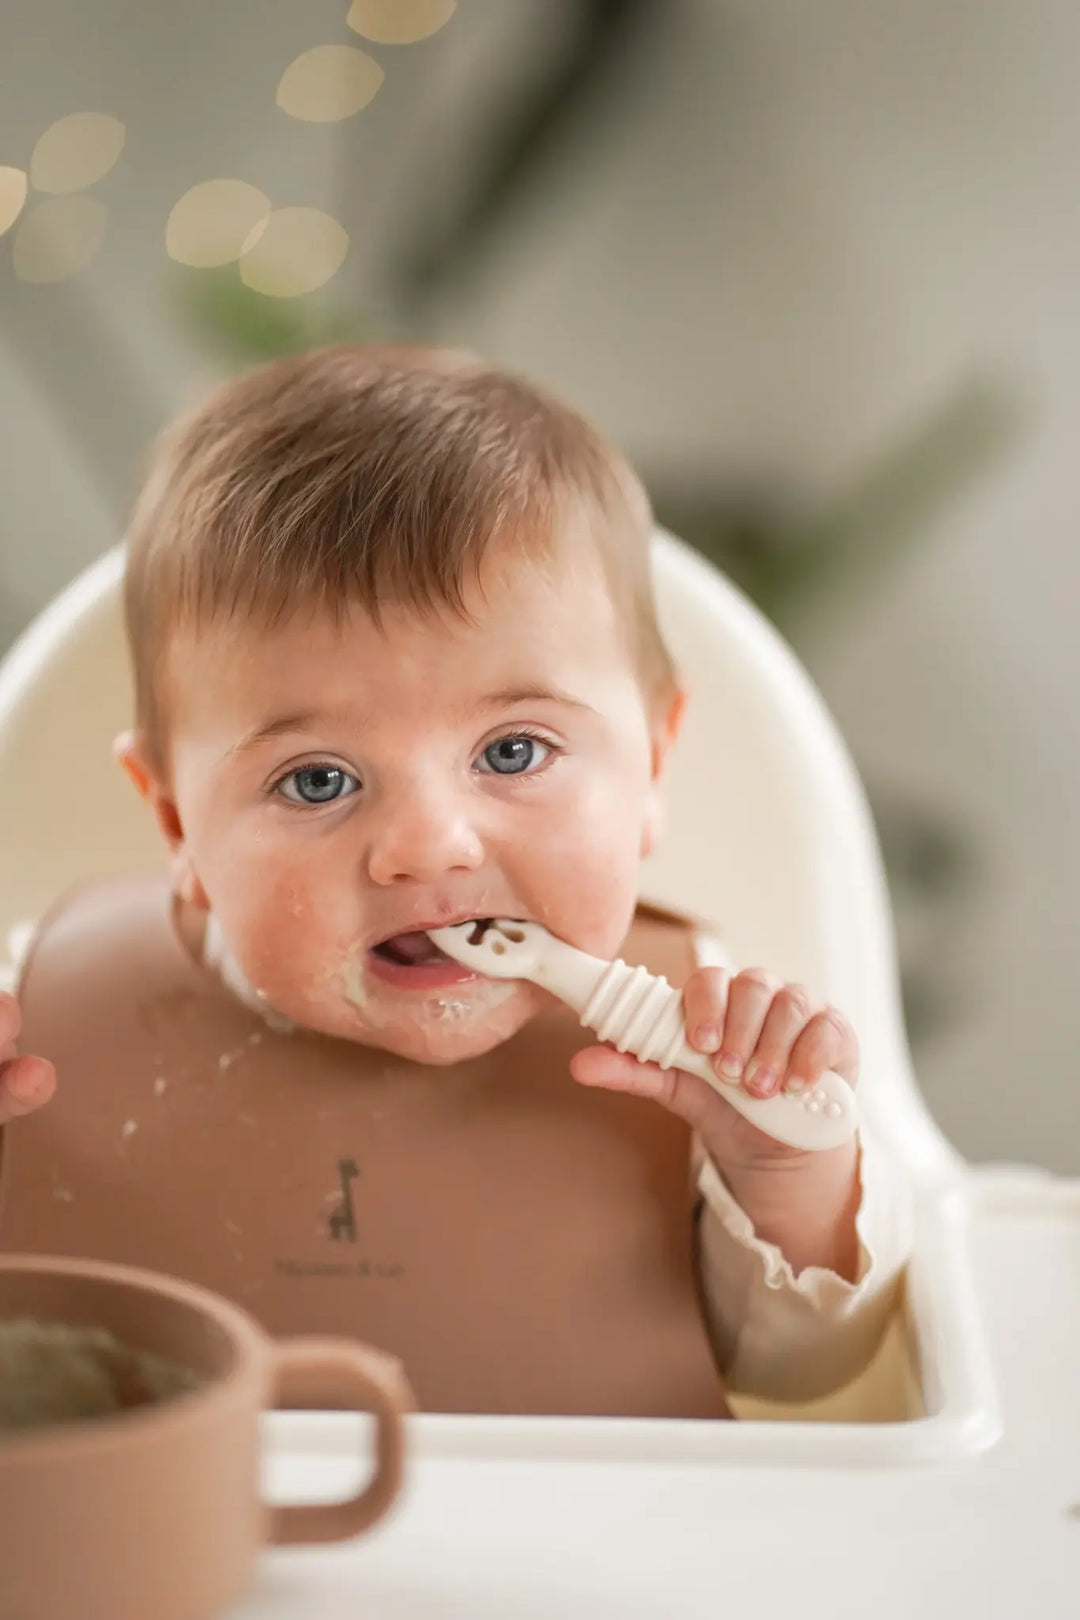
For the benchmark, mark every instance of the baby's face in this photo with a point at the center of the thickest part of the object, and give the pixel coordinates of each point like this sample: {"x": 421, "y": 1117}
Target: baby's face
{"x": 338, "y": 789}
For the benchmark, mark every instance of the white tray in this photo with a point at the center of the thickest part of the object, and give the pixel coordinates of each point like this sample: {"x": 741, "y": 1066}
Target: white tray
{"x": 559, "y": 1520}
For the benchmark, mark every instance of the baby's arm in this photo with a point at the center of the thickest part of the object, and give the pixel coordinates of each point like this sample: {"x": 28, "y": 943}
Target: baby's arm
{"x": 26, "y": 1082}
{"x": 793, "y": 1334}
{"x": 800, "y": 1252}
{"x": 762, "y": 1036}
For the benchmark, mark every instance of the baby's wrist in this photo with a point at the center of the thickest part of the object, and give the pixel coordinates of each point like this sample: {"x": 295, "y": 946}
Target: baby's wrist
{"x": 804, "y": 1203}
{"x": 792, "y": 1174}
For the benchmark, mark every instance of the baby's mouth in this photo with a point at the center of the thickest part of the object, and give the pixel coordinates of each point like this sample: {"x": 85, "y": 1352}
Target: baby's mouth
{"x": 410, "y": 950}
{"x": 412, "y": 961}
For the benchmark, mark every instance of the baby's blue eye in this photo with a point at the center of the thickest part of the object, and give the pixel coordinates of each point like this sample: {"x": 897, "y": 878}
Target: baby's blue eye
{"x": 317, "y": 784}
{"x": 513, "y": 756}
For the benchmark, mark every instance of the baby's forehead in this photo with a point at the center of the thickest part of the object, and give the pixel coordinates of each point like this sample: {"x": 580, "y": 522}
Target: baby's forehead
{"x": 512, "y": 588}
{"x": 515, "y": 627}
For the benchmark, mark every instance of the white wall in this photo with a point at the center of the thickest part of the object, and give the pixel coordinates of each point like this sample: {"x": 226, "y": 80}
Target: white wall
{"x": 809, "y": 221}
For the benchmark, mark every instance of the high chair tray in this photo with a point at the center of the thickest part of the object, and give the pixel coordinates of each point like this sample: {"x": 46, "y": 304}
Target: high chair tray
{"x": 653, "y": 1522}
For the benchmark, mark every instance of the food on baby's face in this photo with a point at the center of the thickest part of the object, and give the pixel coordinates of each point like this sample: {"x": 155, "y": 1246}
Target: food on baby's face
{"x": 51, "y": 1372}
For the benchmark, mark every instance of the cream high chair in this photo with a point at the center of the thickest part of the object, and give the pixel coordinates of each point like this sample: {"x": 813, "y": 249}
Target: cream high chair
{"x": 770, "y": 838}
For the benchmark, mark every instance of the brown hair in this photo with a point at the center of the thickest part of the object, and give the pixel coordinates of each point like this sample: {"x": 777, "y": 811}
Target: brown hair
{"x": 366, "y": 475}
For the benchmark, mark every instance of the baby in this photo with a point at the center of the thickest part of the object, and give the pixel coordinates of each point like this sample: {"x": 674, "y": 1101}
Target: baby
{"x": 397, "y": 664}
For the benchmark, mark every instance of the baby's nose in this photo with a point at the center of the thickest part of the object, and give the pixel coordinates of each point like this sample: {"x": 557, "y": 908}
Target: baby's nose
{"x": 419, "y": 842}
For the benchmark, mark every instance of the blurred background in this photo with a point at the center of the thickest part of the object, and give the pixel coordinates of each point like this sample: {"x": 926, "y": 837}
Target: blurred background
{"x": 812, "y": 263}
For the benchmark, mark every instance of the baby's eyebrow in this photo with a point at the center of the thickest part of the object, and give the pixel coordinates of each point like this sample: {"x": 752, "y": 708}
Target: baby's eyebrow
{"x": 312, "y": 719}
{"x": 299, "y": 720}
{"x": 511, "y": 695}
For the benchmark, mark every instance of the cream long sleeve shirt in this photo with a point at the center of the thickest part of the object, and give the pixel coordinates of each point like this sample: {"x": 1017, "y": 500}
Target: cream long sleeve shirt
{"x": 777, "y": 1335}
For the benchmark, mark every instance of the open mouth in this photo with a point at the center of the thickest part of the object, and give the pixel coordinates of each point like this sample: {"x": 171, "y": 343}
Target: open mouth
{"x": 410, "y": 950}
{"x": 420, "y": 950}
{"x": 413, "y": 961}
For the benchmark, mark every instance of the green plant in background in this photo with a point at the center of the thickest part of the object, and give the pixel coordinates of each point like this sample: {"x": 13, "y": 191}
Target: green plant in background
{"x": 247, "y": 327}
{"x": 792, "y": 558}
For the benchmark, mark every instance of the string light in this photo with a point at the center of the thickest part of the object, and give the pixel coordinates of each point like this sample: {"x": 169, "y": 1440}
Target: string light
{"x": 399, "y": 22}
{"x": 12, "y": 196}
{"x": 328, "y": 83}
{"x": 212, "y": 222}
{"x": 293, "y": 252}
{"x": 76, "y": 152}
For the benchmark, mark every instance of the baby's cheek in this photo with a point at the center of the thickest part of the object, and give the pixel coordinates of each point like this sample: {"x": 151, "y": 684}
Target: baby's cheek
{"x": 284, "y": 939}
{"x": 591, "y": 898}
{"x": 273, "y": 965}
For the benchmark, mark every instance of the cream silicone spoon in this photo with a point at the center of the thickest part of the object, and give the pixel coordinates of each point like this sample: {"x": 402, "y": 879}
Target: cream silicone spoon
{"x": 637, "y": 1012}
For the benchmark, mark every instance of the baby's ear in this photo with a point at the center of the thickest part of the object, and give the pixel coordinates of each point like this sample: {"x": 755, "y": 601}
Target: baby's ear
{"x": 137, "y": 761}
{"x": 134, "y": 756}
{"x": 131, "y": 754}
{"x": 667, "y": 724}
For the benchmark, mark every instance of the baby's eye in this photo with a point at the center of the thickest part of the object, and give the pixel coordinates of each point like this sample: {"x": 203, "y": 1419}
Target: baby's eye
{"x": 513, "y": 756}
{"x": 317, "y": 784}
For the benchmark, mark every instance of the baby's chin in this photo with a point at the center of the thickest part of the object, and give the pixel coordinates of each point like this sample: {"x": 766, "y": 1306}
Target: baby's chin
{"x": 441, "y": 1047}
{"x": 450, "y": 1026}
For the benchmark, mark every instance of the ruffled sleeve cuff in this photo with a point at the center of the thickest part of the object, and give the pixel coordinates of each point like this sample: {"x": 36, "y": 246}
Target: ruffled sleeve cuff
{"x": 789, "y": 1337}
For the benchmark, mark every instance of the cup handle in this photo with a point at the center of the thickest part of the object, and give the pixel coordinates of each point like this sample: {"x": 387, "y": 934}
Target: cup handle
{"x": 338, "y": 1375}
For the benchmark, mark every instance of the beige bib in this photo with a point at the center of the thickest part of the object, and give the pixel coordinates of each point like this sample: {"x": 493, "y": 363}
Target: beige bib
{"x": 522, "y": 1243}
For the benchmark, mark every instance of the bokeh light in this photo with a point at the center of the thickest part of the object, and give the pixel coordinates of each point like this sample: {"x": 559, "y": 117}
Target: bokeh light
{"x": 328, "y": 83}
{"x": 213, "y": 221}
{"x": 295, "y": 251}
{"x": 59, "y": 237}
{"x": 399, "y": 22}
{"x": 12, "y": 196}
{"x": 76, "y": 152}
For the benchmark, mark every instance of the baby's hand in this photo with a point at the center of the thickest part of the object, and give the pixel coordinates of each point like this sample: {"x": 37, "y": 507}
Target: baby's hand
{"x": 26, "y": 1082}
{"x": 761, "y": 1034}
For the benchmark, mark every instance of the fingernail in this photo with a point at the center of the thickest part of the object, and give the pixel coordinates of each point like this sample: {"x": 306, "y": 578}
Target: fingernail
{"x": 707, "y": 1038}
{"x": 795, "y": 1084}
{"x": 763, "y": 1080}
{"x": 730, "y": 1066}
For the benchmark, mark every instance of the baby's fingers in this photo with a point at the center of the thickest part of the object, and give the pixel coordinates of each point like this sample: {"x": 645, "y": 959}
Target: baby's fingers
{"x": 827, "y": 1042}
{"x": 704, "y": 1005}
{"x": 26, "y": 1083}
{"x": 749, "y": 1000}
{"x": 792, "y": 1009}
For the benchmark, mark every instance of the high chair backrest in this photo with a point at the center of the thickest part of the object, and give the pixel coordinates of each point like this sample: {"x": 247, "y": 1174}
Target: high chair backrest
{"x": 769, "y": 837}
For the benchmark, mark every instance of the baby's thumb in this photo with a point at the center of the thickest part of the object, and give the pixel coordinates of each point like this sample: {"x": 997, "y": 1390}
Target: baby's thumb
{"x": 603, "y": 1067}
{"x": 686, "y": 1095}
